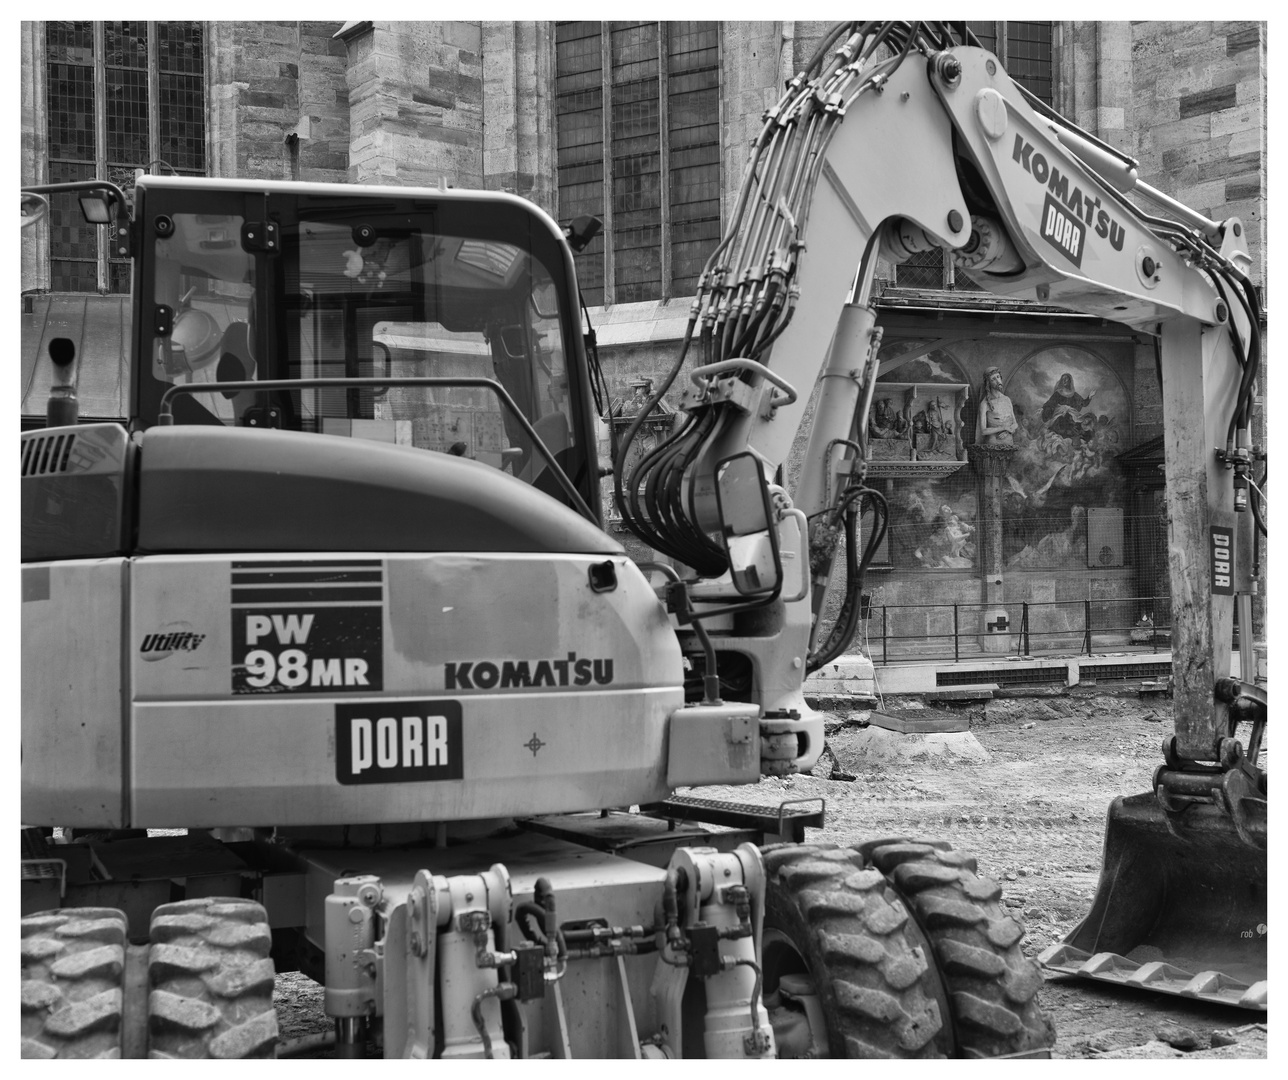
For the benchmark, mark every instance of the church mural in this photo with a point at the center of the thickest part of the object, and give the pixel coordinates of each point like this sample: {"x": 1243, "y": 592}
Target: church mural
{"x": 933, "y": 524}
{"x": 935, "y": 366}
{"x": 1061, "y": 415}
{"x": 1071, "y": 418}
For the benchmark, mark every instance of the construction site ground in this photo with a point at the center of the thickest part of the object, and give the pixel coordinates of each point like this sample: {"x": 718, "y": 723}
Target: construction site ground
{"x": 1026, "y": 790}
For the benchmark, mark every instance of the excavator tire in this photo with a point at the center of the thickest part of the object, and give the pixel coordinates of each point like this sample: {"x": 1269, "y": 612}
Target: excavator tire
{"x": 992, "y": 986}
{"x": 73, "y": 965}
{"x": 844, "y": 928}
{"x": 211, "y": 981}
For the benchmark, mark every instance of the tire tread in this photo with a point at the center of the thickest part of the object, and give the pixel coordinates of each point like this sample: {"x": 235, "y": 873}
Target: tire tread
{"x": 73, "y": 962}
{"x": 848, "y": 923}
{"x": 992, "y": 986}
{"x": 211, "y": 981}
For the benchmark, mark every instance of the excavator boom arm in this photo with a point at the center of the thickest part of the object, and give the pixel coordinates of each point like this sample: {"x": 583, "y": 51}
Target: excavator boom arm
{"x": 897, "y": 142}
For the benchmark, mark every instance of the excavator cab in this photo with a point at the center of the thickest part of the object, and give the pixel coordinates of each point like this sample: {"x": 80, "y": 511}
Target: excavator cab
{"x": 257, "y": 283}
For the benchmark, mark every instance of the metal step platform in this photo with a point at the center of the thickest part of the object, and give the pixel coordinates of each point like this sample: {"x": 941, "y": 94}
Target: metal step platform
{"x": 788, "y": 820}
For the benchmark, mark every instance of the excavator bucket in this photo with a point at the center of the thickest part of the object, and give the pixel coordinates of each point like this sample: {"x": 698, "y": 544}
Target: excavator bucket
{"x": 1180, "y": 907}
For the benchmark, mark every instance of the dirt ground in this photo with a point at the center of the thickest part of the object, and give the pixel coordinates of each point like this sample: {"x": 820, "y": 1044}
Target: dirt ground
{"x": 1027, "y": 795}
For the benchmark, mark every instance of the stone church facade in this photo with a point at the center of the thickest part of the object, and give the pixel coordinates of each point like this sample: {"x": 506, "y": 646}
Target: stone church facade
{"x": 647, "y": 125}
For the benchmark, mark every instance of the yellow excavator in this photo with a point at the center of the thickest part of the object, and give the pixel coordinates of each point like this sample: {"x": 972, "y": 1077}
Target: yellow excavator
{"x": 335, "y": 601}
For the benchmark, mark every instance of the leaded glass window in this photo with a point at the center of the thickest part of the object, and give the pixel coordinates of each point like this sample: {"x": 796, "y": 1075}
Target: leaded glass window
{"x": 637, "y": 107}
{"x": 120, "y": 96}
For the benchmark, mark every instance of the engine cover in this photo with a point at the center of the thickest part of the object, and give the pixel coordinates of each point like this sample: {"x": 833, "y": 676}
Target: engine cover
{"x": 348, "y": 688}
{"x": 241, "y": 489}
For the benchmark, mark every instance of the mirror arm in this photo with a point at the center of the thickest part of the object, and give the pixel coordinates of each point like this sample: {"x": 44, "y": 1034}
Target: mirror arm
{"x": 115, "y": 196}
{"x": 802, "y": 523}
{"x": 678, "y": 603}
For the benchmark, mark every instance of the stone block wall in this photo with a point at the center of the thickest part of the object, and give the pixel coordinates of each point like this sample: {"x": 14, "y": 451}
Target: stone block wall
{"x": 416, "y": 104}
{"x": 518, "y": 106}
{"x": 1200, "y": 110}
{"x": 750, "y": 82}
{"x": 1146, "y": 403}
{"x": 254, "y": 97}
{"x": 322, "y": 153}
{"x": 1187, "y": 99}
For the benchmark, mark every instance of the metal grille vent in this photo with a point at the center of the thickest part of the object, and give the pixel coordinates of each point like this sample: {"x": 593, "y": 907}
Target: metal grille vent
{"x": 1146, "y": 670}
{"x": 1003, "y": 676}
{"x": 43, "y": 455}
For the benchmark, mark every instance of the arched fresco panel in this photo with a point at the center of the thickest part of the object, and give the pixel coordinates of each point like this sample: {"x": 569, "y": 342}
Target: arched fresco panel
{"x": 935, "y": 365}
{"x": 1074, "y": 419}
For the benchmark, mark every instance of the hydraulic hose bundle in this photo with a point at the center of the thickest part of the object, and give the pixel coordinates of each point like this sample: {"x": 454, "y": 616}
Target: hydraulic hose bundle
{"x": 847, "y": 619}
{"x": 747, "y": 292}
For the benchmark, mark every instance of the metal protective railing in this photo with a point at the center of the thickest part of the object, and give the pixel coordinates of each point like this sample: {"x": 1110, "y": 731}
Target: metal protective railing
{"x": 953, "y": 631}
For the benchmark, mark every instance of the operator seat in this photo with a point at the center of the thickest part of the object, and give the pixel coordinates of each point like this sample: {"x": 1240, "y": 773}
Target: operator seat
{"x": 551, "y": 429}
{"x": 236, "y": 364}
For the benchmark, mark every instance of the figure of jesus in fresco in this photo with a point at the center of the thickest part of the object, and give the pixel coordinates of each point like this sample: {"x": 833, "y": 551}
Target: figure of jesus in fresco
{"x": 997, "y": 424}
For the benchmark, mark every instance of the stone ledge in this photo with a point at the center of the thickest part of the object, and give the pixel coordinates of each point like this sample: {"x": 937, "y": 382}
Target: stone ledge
{"x": 970, "y": 692}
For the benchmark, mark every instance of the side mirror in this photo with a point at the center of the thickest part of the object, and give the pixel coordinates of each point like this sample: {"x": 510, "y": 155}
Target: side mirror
{"x": 582, "y": 230}
{"x": 748, "y": 531}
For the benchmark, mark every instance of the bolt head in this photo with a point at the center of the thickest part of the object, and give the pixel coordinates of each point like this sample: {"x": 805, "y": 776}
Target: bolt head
{"x": 955, "y": 220}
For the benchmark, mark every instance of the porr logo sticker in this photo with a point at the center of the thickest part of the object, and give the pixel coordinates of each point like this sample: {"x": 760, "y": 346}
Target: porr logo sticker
{"x": 1222, "y": 560}
{"x": 389, "y": 742}
{"x": 1063, "y": 231}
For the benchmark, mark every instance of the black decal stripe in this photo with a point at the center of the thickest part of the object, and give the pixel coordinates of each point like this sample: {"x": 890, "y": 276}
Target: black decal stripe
{"x": 263, "y": 595}
{"x": 314, "y": 605}
{"x": 291, "y": 577}
{"x": 306, "y": 564}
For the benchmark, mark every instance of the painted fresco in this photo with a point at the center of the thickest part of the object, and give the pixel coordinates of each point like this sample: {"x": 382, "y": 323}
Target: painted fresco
{"x": 935, "y": 366}
{"x": 933, "y": 523}
{"x": 1074, "y": 419}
